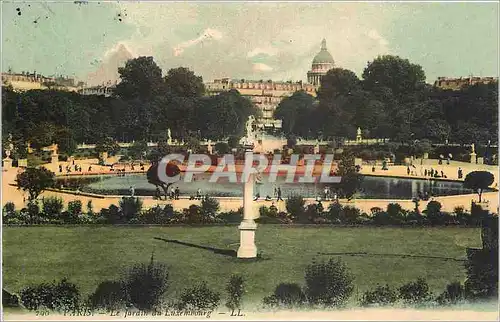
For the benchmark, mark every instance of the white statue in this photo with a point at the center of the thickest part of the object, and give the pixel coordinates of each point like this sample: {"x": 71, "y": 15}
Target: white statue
{"x": 358, "y": 135}
{"x": 249, "y": 137}
{"x": 169, "y": 137}
{"x": 209, "y": 147}
{"x": 473, "y": 148}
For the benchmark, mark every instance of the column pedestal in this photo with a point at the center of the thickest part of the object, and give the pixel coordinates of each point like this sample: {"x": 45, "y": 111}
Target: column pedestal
{"x": 473, "y": 158}
{"x": 54, "y": 158}
{"x": 247, "y": 239}
{"x": 248, "y": 226}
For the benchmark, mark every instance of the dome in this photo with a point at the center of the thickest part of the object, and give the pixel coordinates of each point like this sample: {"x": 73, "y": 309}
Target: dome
{"x": 323, "y": 57}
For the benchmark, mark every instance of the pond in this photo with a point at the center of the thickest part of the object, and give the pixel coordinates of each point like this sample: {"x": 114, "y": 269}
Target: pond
{"x": 371, "y": 187}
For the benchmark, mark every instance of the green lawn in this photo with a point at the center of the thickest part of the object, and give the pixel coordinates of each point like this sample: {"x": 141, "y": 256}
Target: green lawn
{"x": 89, "y": 255}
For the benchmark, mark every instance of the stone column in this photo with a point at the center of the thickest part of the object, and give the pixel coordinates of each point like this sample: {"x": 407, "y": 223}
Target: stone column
{"x": 7, "y": 163}
{"x": 248, "y": 226}
{"x": 473, "y": 157}
{"x": 54, "y": 158}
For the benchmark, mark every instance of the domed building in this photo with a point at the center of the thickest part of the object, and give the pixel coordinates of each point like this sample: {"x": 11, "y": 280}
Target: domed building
{"x": 322, "y": 63}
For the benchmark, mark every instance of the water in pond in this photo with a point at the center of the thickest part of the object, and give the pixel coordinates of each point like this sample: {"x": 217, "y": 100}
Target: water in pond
{"x": 371, "y": 187}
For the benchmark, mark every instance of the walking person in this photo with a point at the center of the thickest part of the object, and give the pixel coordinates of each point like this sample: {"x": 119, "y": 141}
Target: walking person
{"x": 279, "y": 194}
{"x": 177, "y": 193}
{"x": 132, "y": 191}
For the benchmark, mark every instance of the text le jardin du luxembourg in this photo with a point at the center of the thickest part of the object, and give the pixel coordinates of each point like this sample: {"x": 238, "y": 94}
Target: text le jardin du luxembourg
{"x": 171, "y": 312}
{"x": 254, "y": 164}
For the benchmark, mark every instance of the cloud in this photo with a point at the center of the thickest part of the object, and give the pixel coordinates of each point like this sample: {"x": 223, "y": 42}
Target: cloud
{"x": 260, "y": 67}
{"x": 373, "y": 34}
{"x": 269, "y": 51}
{"x": 208, "y": 34}
{"x": 107, "y": 71}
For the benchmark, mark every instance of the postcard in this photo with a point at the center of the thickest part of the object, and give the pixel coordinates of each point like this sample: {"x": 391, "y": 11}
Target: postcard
{"x": 249, "y": 160}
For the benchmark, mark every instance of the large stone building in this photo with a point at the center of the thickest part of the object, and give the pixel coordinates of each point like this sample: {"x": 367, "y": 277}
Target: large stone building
{"x": 268, "y": 94}
{"x": 265, "y": 94}
{"x": 26, "y": 81}
{"x": 321, "y": 64}
{"x": 458, "y": 83}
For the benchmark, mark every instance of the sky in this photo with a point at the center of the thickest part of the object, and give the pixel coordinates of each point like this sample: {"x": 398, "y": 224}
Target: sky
{"x": 89, "y": 40}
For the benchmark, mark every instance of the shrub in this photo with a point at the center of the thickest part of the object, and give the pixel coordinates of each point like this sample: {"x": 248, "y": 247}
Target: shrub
{"x": 415, "y": 292}
{"x": 478, "y": 214}
{"x": 209, "y": 208}
{"x": 146, "y": 283}
{"x": 155, "y": 216}
{"x": 199, "y": 297}
{"x": 462, "y": 216}
{"x": 350, "y": 215}
{"x": 334, "y": 213}
{"x": 482, "y": 273}
{"x": 74, "y": 210}
{"x": 395, "y": 213}
{"x": 9, "y": 300}
{"x": 9, "y": 207}
{"x": 130, "y": 207}
{"x": 433, "y": 213}
{"x": 63, "y": 296}
{"x": 33, "y": 213}
{"x": 235, "y": 290}
{"x": 86, "y": 219}
{"x": 231, "y": 216}
{"x": 295, "y": 207}
{"x": 313, "y": 212}
{"x": 52, "y": 207}
{"x": 9, "y": 212}
{"x": 328, "y": 284}
{"x": 193, "y": 214}
{"x": 108, "y": 295}
{"x": 286, "y": 294}
{"x": 454, "y": 293}
{"x": 381, "y": 295}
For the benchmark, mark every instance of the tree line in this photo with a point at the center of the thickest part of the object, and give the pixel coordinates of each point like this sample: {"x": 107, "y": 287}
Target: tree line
{"x": 392, "y": 101}
{"x": 143, "y": 106}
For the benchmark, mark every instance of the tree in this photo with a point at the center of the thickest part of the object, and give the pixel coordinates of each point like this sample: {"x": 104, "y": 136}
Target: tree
{"x": 338, "y": 81}
{"x": 35, "y": 181}
{"x": 224, "y": 115}
{"x": 184, "y": 83}
{"x": 233, "y": 141}
{"x": 146, "y": 283}
{"x": 235, "y": 289}
{"x": 395, "y": 73}
{"x": 140, "y": 78}
{"x": 296, "y": 113}
{"x": 222, "y": 148}
{"x": 350, "y": 178}
{"x": 153, "y": 178}
{"x": 108, "y": 145}
{"x": 193, "y": 144}
{"x": 328, "y": 283}
{"x": 478, "y": 181}
{"x": 138, "y": 150}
